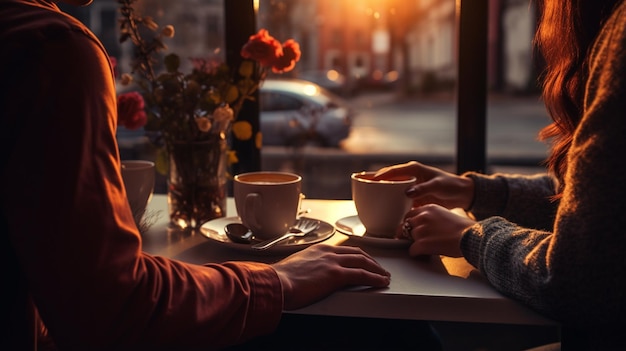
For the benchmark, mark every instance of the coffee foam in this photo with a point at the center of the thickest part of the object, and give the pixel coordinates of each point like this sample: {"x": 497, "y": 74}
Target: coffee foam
{"x": 267, "y": 178}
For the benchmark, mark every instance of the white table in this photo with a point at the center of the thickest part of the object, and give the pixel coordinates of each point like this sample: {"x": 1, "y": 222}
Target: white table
{"x": 436, "y": 289}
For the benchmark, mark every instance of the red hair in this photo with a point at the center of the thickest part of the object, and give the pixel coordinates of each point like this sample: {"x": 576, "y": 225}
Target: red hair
{"x": 567, "y": 29}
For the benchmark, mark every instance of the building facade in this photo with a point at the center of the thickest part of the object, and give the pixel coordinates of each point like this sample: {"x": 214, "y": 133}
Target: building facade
{"x": 368, "y": 41}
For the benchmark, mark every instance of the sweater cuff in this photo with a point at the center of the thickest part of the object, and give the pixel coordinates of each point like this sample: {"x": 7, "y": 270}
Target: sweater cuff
{"x": 470, "y": 244}
{"x": 483, "y": 242}
{"x": 490, "y": 195}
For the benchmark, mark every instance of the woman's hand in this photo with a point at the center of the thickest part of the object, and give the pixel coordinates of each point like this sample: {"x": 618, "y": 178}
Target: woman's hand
{"x": 433, "y": 186}
{"x": 319, "y": 270}
{"x": 434, "y": 230}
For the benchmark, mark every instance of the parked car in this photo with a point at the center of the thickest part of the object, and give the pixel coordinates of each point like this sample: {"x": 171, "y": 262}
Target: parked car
{"x": 330, "y": 80}
{"x": 293, "y": 112}
{"x": 298, "y": 112}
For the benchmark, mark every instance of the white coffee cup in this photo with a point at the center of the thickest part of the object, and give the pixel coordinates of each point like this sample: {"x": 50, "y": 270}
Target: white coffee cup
{"x": 380, "y": 204}
{"x": 267, "y": 202}
{"x": 138, "y": 177}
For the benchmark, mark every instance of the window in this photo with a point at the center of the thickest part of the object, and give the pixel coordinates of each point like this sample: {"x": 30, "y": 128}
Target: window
{"x": 395, "y": 62}
{"x": 187, "y": 29}
{"x": 213, "y": 32}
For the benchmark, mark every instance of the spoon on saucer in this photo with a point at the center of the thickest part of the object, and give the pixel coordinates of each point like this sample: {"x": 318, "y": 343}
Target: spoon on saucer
{"x": 238, "y": 233}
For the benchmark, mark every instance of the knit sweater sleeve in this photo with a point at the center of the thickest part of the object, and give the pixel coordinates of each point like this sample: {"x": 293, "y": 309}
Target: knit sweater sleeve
{"x": 575, "y": 271}
{"x": 525, "y": 200}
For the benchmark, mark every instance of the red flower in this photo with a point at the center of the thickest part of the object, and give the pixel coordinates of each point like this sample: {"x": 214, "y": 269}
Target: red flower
{"x": 262, "y": 47}
{"x": 268, "y": 51}
{"x": 130, "y": 110}
{"x": 291, "y": 55}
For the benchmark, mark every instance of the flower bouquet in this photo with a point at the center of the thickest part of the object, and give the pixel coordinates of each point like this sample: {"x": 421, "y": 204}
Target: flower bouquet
{"x": 191, "y": 116}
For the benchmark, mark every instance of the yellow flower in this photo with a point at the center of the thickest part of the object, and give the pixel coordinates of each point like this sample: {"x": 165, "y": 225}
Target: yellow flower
{"x": 204, "y": 124}
{"x": 232, "y": 157}
{"x": 232, "y": 95}
{"x": 258, "y": 141}
{"x": 246, "y": 69}
{"x": 223, "y": 113}
{"x": 126, "y": 79}
{"x": 168, "y": 31}
{"x": 242, "y": 130}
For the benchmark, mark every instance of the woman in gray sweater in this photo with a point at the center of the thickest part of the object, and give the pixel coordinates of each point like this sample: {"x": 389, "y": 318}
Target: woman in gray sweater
{"x": 555, "y": 242}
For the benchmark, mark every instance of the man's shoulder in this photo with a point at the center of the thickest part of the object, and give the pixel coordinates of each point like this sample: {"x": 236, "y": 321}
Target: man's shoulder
{"x": 27, "y": 21}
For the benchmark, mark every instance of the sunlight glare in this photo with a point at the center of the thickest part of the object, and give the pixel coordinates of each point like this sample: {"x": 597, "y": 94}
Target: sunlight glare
{"x": 309, "y": 90}
{"x": 392, "y": 76}
{"x": 332, "y": 75}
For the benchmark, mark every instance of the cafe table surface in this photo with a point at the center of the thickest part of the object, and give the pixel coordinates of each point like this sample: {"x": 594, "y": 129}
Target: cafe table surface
{"x": 433, "y": 288}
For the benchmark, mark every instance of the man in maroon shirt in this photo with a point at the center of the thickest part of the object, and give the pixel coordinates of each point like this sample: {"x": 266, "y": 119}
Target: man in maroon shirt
{"x": 70, "y": 249}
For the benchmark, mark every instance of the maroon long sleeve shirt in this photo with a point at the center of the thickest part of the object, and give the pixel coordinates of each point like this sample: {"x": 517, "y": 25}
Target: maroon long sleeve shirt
{"x": 68, "y": 236}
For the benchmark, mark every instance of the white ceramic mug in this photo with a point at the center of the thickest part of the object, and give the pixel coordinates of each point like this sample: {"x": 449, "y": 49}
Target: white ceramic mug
{"x": 380, "y": 204}
{"x": 267, "y": 202}
{"x": 138, "y": 176}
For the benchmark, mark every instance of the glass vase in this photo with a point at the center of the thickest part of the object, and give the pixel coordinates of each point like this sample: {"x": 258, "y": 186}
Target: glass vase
{"x": 197, "y": 181}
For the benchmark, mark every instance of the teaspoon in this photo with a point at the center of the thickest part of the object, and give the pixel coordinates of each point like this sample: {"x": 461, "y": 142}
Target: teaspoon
{"x": 238, "y": 233}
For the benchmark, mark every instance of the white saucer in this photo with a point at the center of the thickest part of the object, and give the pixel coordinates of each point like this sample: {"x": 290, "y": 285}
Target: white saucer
{"x": 353, "y": 227}
{"x": 214, "y": 231}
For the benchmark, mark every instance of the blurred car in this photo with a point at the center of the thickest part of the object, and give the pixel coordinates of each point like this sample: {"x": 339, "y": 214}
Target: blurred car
{"x": 330, "y": 80}
{"x": 297, "y": 112}
{"x": 293, "y": 112}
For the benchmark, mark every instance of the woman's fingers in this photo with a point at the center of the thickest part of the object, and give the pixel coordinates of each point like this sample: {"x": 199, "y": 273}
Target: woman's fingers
{"x": 410, "y": 168}
{"x": 434, "y": 230}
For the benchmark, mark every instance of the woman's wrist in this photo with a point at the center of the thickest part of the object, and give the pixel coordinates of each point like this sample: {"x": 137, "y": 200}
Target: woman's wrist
{"x": 467, "y": 190}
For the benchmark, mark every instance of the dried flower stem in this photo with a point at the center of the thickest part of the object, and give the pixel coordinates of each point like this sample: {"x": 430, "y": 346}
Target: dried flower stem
{"x": 130, "y": 24}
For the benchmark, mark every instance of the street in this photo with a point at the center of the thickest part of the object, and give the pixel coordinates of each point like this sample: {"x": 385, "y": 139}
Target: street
{"x": 429, "y": 127}
{"x": 387, "y": 131}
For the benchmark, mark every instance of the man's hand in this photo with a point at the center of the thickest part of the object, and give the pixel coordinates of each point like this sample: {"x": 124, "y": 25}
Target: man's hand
{"x": 316, "y": 272}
